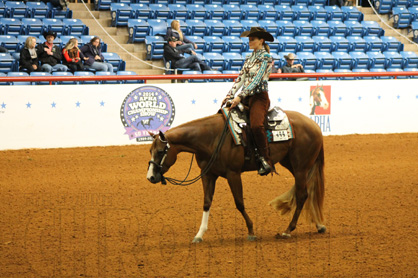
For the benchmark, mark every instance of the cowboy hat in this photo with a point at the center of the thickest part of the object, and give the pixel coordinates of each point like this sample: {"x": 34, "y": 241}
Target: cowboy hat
{"x": 290, "y": 56}
{"x": 259, "y": 33}
{"x": 49, "y": 33}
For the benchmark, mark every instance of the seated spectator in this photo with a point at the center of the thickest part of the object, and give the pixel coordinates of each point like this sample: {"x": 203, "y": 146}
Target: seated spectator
{"x": 274, "y": 70}
{"x": 3, "y": 49}
{"x": 72, "y": 56}
{"x": 183, "y": 42}
{"x": 95, "y": 60}
{"x": 29, "y": 60}
{"x": 290, "y": 67}
{"x": 193, "y": 62}
{"x": 50, "y": 55}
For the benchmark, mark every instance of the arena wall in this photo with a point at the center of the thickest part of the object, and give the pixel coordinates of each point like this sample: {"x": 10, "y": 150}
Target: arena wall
{"x": 103, "y": 115}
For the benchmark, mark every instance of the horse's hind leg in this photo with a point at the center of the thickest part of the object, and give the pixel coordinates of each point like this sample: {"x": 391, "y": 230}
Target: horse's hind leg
{"x": 209, "y": 182}
{"x": 235, "y": 183}
{"x": 301, "y": 194}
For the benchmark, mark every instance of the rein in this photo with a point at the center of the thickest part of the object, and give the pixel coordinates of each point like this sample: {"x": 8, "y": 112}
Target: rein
{"x": 208, "y": 165}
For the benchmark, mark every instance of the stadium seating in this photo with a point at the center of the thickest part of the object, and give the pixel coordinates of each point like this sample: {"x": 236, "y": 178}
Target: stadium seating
{"x": 410, "y": 59}
{"x": 138, "y": 29}
{"x": 356, "y": 43}
{"x": 267, "y": 12}
{"x": 318, "y": 13}
{"x": 343, "y": 60}
{"x": 377, "y": 59}
{"x": 120, "y": 14}
{"x": 196, "y": 27}
{"x": 286, "y": 28}
{"x": 213, "y": 72}
{"x": 334, "y": 13}
{"x": 213, "y": 44}
{"x": 304, "y": 28}
{"x": 7, "y": 63}
{"x": 326, "y": 61}
{"x": 37, "y": 73}
{"x": 214, "y": 11}
{"x": 215, "y": 60}
{"x": 233, "y": 44}
{"x": 338, "y": 28}
{"x": 249, "y": 12}
{"x": 393, "y": 59}
{"x": 75, "y": 27}
{"x": 233, "y": 61}
{"x": 360, "y": 60}
{"x": 288, "y": 44}
{"x": 196, "y": 11}
{"x": 392, "y": 44}
{"x": 321, "y": 28}
{"x": 158, "y": 27}
{"x": 383, "y": 6}
{"x": 372, "y": 28}
{"x": 322, "y": 43}
{"x": 401, "y": 17}
{"x": 84, "y": 74}
{"x": 124, "y": 72}
{"x": 215, "y": 27}
{"x": 193, "y": 80}
{"x": 16, "y": 9}
{"x": 55, "y": 25}
{"x": 351, "y": 13}
{"x": 33, "y": 26}
{"x": 106, "y": 73}
{"x": 37, "y": 9}
{"x": 115, "y": 60}
{"x": 9, "y": 42}
{"x": 339, "y": 43}
{"x": 11, "y": 26}
{"x": 233, "y": 27}
{"x": 307, "y": 59}
{"x": 155, "y": 47}
{"x": 304, "y": 44}
{"x": 374, "y": 43}
{"x": 301, "y": 12}
{"x": 141, "y": 11}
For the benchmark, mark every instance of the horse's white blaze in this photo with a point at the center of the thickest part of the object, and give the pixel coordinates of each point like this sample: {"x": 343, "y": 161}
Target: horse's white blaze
{"x": 150, "y": 171}
{"x": 204, "y": 225}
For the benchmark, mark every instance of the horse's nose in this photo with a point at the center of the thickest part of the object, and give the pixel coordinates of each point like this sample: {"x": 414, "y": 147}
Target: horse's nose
{"x": 152, "y": 179}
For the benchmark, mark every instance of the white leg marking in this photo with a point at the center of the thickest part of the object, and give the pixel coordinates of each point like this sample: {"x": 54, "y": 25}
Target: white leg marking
{"x": 150, "y": 171}
{"x": 204, "y": 225}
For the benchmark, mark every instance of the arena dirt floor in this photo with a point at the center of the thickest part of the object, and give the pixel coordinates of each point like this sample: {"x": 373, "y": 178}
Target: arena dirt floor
{"x": 90, "y": 212}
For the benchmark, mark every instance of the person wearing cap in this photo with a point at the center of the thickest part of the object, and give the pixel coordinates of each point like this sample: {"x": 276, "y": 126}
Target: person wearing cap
{"x": 290, "y": 66}
{"x": 253, "y": 79}
{"x": 50, "y": 55}
{"x": 193, "y": 62}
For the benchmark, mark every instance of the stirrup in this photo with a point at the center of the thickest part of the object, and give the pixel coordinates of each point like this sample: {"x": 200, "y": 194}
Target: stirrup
{"x": 265, "y": 168}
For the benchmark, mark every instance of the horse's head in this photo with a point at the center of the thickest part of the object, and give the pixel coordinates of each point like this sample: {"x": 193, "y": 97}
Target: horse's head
{"x": 161, "y": 158}
{"x": 316, "y": 94}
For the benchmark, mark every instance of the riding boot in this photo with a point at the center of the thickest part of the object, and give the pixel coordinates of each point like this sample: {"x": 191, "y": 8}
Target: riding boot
{"x": 263, "y": 150}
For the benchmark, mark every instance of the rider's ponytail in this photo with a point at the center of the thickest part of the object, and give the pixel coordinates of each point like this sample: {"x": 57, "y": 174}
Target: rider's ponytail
{"x": 266, "y": 47}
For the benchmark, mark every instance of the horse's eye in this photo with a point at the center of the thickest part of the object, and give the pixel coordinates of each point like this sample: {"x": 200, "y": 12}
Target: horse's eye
{"x": 160, "y": 153}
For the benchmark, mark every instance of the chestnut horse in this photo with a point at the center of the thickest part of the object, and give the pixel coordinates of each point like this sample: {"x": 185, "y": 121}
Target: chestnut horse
{"x": 303, "y": 156}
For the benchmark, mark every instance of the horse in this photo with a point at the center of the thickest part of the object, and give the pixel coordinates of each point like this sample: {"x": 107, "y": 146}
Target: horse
{"x": 303, "y": 156}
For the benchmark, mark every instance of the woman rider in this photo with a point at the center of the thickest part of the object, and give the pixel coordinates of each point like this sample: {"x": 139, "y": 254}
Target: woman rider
{"x": 253, "y": 80}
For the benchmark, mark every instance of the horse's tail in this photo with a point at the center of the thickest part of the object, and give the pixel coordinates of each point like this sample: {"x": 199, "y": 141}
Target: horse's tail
{"x": 315, "y": 187}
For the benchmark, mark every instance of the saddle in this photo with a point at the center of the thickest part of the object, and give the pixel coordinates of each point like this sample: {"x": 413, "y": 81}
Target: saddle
{"x": 277, "y": 125}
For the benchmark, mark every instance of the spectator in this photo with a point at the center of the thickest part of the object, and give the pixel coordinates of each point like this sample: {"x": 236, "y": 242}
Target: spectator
{"x": 183, "y": 42}
{"x": 95, "y": 60}
{"x": 50, "y": 55}
{"x": 3, "y": 49}
{"x": 274, "y": 70}
{"x": 29, "y": 60}
{"x": 290, "y": 67}
{"x": 193, "y": 62}
{"x": 72, "y": 55}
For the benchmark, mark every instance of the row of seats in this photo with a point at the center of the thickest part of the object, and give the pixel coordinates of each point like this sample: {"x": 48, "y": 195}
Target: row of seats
{"x": 17, "y": 9}
{"x": 37, "y": 26}
{"x": 16, "y": 43}
{"x": 106, "y": 4}
{"x": 213, "y": 44}
{"x": 10, "y": 62}
{"x": 386, "y": 6}
{"x": 121, "y": 13}
{"x": 321, "y": 60}
{"x": 77, "y": 73}
{"x": 139, "y": 28}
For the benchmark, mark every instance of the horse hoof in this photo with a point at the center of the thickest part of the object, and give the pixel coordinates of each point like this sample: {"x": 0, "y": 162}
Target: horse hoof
{"x": 252, "y": 238}
{"x": 197, "y": 240}
{"x": 284, "y": 235}
{"x": 322, "y": 229}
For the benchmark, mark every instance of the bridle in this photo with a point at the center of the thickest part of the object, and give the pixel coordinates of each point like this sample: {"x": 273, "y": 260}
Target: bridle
{"x": 160, "y": 165}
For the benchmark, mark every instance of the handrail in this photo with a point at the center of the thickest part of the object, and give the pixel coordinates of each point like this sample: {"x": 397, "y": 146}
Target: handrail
{"x": 197, "y": 76}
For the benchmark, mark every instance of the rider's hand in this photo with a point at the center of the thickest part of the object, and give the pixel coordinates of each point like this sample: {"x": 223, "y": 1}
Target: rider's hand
{"x": 225, "y": 101}
{"x": 235, "y": 102}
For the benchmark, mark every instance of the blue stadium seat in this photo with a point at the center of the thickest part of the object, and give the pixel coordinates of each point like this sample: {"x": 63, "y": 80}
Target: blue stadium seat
{"x": 307, "y": 59}
{"x": 18, "y": 74}
{"x": 75, "y": 27}
{"x": 7, "y": 62}
{"x": 55, "y": 25}
{"x": 372, "y": 28}
{"x": 160, "y": 11}
{"x": 214, "y": 44}
{"x": 383, "y": 6}
{"x": 63, "y": 73}
{"x": 233, "y": 60}
{"x": 288, "y": 44}
{"x": 325, "y": 60}
{"x": 304, "y": 28}
{"x": 177, "y": 11}
{"x": 120, "y": 13}
{"x": 411, "y": 70}
{"x": 127, "y": 72}
{"x": 16, "y": 9}
{"x": 33, "y": 26}
{"x": 37, "y": 9}
{"x": 326, "y": 71}
{"x": 318, "y": 13}
{"x": 12, "y": 26}
{"x": 141, "y": 11}
{"x": 338, "y": 28}
{"x": 334, "y": 13}
{"x": 85, "y": 73}
{"x": 392, "y": 44}
{"x": 215, "y": 27}
{"x": 249, "y": 12}
{"x": 339, "y": 43}
{"x": 344, "y": 77}
{"x": 214, "y": 11}
{"x": 230, "y": 72}
{"x": 267, "y": 12}
{"x": 193, "y": 80}
{"x": 301, "y": 12}
{"x": 155, "y": 47}
{"x": 115, "y": 60}
{"x": 213, "y": 72}
{"x": 102, "y": 4}
{"x": 343, "y": 60}
{"x": 360, "y": 60}
{"x": 138, "y": 29}
{"x": 232, "y": 11}
{"x": 414, "y": 13}
{"x": 269, "y": 25}
{"x": 2, "y": 10}
{"x": 322, "y": 43}
{"x": 2, "y": 74}
{"x": 374, "y": 43}
{"x": 362, "y": 70}
{"x": 248, "y": 23}
{"x": 9, "y": 42}
{"x": 320, "y": 28}
{"x": 305, "y": 44}
{"x": 38, "y": 73}
{"x": 393, "y": 59}
{"x": 106, "y": 73}
{"x": 196, "y": 11}
{"x": 158, "y": 27}
{"x": 351, "y": 13}
{"x": 356, "y": 43}
{"x": 379, "y": 70}
{"x": 233, "y": 44}
{"x": 55, "y": 12}
{"x": 215, "y": 60}
{"x": 285, "y": 12}
{"x": 286, "y": 28}
{"x": 196, "y": 27}
{"x": 410, "y": 59}
{"x": 354, "y": 28}
{"x": 401, "y": 17}
{"x": 233, "y": 27}
{"x": 377, "y": 59}
{"x": 199, "y": 41}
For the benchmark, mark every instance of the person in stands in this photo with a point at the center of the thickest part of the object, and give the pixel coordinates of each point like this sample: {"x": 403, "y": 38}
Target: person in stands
{"x": 72, "y": 56}
{"x": 50, "y": 55}
{"x": 29, "y": 60}
{"x": 291, "y": 67}
{"x": 183, "y": 42}
{"x": 93, "y": 52}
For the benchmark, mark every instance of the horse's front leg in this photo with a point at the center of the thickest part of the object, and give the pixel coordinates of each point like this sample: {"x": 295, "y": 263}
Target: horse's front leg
{"x": 209, "y": 182}
{"x": 235, "y": 183}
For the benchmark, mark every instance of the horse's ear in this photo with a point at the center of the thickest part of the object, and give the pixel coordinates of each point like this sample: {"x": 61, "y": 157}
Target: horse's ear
{"x": 162, "y": 136}
{"x": 152, "y": 134}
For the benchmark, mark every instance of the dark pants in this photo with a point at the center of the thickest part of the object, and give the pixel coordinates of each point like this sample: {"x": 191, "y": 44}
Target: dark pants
{"x": 30, "y": 69}
{"x": 259, "y": 105}
{"x": 76, "y": 66}
{"x": 192, "y": 62}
